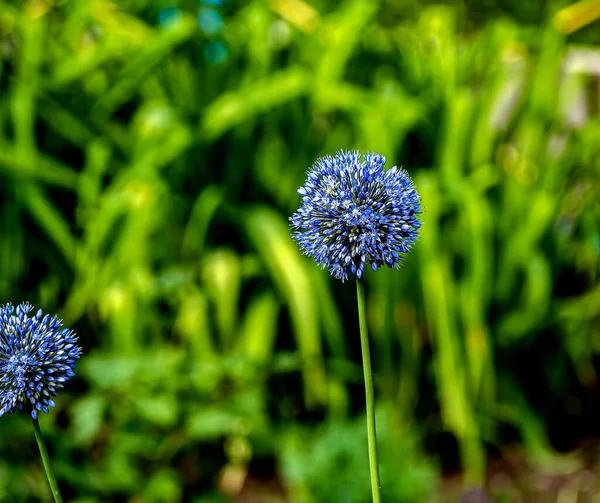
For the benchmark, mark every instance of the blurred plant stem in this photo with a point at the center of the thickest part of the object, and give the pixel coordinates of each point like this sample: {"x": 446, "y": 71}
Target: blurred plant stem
{"x": 370, "y": 395}
{"x": 46, "y": 461}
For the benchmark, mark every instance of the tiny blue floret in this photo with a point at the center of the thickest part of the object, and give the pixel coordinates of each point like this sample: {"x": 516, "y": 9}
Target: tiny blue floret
{"x": 37, "y": 356}
{"x": 210, "y": 21}
{"x": 215, "y": 53}
{"x": 354, "y": 213}
{"x": 169, "y": 16}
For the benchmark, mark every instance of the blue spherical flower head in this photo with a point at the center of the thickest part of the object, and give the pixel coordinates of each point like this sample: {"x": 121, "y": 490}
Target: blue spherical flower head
{"x": 37, "y": 356}
{"x": 354, "y": 213}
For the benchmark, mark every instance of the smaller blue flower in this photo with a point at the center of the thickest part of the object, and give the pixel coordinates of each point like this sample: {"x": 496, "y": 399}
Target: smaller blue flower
{"x": 210, "y": 21}
{"x": 37, "y": 356}
{"x": 354, "y": 213}
{"x": 169, "y": 16}
{"x": 215, "y": 53}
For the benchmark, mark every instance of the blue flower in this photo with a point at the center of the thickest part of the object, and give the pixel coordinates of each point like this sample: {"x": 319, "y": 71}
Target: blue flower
{"x": 215, "y": 52}
{"x": 210, "y": 21}
{"x": 169, "y": 16}
{"x": 354, "y": 213}
{"x": 37, "y": 356}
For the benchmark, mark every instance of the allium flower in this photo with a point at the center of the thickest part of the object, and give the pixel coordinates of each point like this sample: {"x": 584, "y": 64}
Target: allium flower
{"x": 354, "y": 213}
{"x": 36, "y": 357}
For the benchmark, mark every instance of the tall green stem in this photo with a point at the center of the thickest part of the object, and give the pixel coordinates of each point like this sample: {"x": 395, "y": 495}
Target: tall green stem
{"x": 370, "y": 395}
{"x": 46, "y": 462}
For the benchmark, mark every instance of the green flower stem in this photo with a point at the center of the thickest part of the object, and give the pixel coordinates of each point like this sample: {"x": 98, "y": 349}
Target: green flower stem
{"x": 46, "y": 462}
{"x": 370, "y": 395}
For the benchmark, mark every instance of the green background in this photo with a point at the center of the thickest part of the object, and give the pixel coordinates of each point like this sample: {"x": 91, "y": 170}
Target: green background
{"x": 150, "y": 153}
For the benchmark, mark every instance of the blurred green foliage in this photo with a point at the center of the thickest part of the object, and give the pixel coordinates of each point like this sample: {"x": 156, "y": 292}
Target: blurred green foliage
{"x": 334, "y": 467}
{"x": 149, "y": 157}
